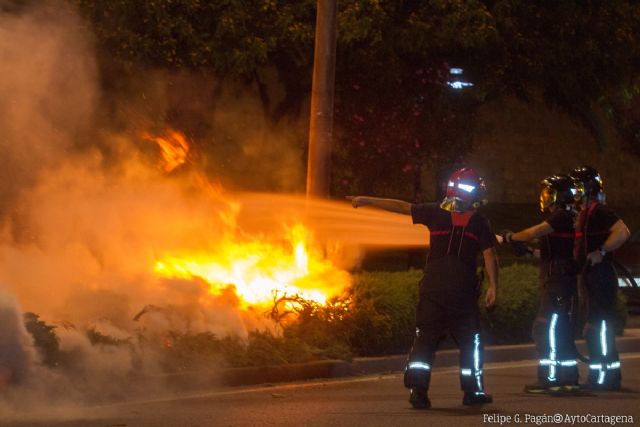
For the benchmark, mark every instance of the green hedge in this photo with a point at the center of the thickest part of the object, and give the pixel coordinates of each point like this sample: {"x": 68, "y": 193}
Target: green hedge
{"x": 382, "y": 312}
{"x": 377, "y": 318}
{"x": 517, "y": 303}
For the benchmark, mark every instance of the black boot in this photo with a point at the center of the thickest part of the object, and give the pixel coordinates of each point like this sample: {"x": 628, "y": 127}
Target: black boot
{"x": 419, "y": 399}
{"x": 476, "y": 398}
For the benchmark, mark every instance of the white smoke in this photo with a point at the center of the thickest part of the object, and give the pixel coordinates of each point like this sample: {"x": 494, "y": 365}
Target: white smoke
{"x": 17, "y": 354}
{"x": 79, "y": 233}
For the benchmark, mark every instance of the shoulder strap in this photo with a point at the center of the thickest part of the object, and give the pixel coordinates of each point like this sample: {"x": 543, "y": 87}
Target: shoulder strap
{"x": 590, "y": 212}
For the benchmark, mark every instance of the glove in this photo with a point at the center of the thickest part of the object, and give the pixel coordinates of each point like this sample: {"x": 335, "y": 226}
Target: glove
{"x": 506, "y": 236}
{"x": 519, "y": 249}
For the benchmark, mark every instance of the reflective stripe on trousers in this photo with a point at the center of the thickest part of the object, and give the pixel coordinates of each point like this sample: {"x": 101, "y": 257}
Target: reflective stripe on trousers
{"x": 598, "y": 372}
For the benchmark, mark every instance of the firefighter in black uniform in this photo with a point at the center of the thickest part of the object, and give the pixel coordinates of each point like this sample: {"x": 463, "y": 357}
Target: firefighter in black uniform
{"x": 599, "y": 231}
{"x": 552, "y": 329}
{"x": 450, "y": 288}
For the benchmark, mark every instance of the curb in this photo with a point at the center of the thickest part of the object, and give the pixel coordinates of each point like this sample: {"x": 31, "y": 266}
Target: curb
{"x": 360, "y": 366}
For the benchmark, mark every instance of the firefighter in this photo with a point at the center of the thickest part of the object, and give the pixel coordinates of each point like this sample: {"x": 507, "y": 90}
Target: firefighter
{"x": 599, "y": 232}
{"x": 449, "y": 289}
{"x": 552, "y": 328}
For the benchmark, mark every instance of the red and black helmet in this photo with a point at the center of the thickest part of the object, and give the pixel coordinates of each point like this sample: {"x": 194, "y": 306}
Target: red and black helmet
{"x": 465, "y": 191}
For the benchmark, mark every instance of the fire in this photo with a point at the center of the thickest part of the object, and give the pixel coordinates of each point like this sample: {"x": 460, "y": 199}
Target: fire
{"x": 173, "y": 148}
{"x": 259, "y": 269}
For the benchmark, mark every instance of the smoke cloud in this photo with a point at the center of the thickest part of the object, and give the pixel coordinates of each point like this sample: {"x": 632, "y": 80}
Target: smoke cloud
{"x": 86, "y": 212}
{"x": 16, "y": 352}
{"x": 47, "y": 93}
{"x": 83, "y": 226}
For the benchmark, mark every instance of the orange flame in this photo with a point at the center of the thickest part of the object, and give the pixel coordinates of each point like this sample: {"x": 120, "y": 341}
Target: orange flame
{"x": 173, "y": 148}
{"x": 261, "y": 270}
{"x": 257, "y": 269}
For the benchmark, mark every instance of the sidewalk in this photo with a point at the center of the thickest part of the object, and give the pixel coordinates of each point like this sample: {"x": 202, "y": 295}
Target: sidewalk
{"x": 630, "y": 342}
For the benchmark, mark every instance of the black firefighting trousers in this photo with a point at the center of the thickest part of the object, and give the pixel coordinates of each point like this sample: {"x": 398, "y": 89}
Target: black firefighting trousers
{"x": 601, "y": 285}
{"x": 552, "y": 329}
{"x": 447, "y": 303}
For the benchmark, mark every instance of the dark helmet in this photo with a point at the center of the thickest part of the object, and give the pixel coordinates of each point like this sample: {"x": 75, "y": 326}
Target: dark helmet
{"x": 588, "y": 183}
{"x": 557, "y": 190}
{"x": 465, "y": 191}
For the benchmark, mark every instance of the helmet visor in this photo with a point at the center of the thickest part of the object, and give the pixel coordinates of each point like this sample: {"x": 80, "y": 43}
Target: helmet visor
{"x": 579, "y": 191}
{"x": 547, "y": 198}
{"x": 455, "y": 204}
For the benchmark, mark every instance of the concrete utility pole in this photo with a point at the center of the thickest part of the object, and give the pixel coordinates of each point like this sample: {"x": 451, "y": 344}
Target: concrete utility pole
{"x": 321, "y": 121}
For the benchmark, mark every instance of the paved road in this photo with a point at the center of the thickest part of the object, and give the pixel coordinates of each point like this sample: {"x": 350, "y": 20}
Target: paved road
{"x": 367, "y": 401}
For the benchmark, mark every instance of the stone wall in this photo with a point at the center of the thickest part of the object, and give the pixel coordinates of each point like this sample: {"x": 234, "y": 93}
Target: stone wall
{"x": 516, "y": 144}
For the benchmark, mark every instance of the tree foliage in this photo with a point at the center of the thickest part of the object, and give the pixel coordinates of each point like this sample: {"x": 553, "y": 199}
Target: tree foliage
{"x": 229, "y": 37}
{"x": 582, "y": 55}
{"x": 394, "y": 111}
{"x": 393, "y": 105}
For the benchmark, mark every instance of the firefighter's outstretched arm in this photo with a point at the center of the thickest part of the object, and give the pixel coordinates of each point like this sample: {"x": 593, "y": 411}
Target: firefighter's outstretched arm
{"x": 531, "y": 233}
{"x": 517, "y": 240}
{"x": 491, "y": 266}
{"x": 392, "y": 205}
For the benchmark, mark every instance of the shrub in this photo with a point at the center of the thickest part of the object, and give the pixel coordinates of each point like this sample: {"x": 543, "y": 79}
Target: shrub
{"x": 98, "y": 338}
{"x": 44, "y": 338}
{"x": 376, "y": 318}
{"x": 264, "y": 348}
{"x": 322, "y": 329}
{"x": 184, "y": 352}
{"x": 518, "y": 298}
{"x": 381, "y": 317}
